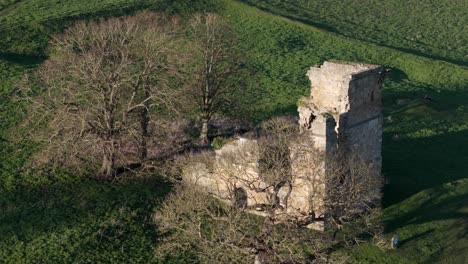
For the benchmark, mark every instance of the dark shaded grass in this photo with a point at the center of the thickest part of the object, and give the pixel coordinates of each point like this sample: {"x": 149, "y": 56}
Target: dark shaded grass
{"x": 81, "y": 221}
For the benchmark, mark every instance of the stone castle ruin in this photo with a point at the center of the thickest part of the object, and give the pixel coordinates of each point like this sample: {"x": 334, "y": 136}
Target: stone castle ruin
{"x": 343, "y": 112}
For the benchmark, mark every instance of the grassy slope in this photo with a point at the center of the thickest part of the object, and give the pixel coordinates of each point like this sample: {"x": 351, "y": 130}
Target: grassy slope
{"x": 426, "y": 197}
{"x": 25, "y": 25}
{"x": 35, "y": 19}
{"x": 81, "y": 222}
{"x": 282, "y": 50}
{"x": 423, "y": 165}
{"x": 432, "y": 225}
{"x": 436, "y": 29}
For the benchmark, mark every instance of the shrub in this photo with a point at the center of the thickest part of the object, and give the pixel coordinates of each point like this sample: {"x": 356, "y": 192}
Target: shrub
{"x": 219, "y": 142}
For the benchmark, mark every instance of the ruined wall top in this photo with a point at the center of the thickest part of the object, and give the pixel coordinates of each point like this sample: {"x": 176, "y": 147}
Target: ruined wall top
{"x": 330, "y": 90}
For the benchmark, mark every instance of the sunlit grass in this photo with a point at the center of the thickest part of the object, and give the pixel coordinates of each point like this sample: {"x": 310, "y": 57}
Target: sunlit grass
{"x": 63, "y": 218}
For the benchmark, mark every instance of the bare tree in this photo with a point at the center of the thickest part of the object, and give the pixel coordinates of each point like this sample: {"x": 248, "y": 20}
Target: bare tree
{"x": 344, "y": 194}
{"x": 157, "y": 48}
{"x": 217, "y": 65}
{"x": 195, "y": 224}
{"x": 95, "y": 96}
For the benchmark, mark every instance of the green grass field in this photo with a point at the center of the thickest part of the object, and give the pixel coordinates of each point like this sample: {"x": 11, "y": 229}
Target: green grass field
{"x": 63, "y": 218}
{"x": 434, "y": 29}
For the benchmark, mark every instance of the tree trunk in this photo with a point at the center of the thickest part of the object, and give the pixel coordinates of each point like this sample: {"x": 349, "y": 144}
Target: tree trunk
{"x": 260, "y": 258}
{"x": 264, "y": 251}
{"x": 107, "y": 167}
{"x": 204, "y": 131}
{"x": 144, "y": 125}
{"x": 108, "y": 162}
{"x": 144, "y": 135}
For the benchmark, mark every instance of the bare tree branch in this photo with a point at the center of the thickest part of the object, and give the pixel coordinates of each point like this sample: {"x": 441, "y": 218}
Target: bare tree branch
{"x": 277, "y": 176}
{"x": 98, "y": 92}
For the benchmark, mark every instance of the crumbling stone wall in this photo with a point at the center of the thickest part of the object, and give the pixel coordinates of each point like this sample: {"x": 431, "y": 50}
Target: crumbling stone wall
{"x": 347, "y": 96}
{"x": 233, "y": 175}
{"x": 342, "y": 113}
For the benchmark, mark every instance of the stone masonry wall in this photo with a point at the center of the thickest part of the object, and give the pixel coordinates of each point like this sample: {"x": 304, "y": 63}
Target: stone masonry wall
{"x": 342, "y": 113}
{"x": 351, "y": 94}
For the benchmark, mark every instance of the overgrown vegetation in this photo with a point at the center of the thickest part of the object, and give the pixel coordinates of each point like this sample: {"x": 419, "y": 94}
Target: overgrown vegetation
{"x": 213, "y": 232}
{"x": 100, "y": 93}
{"x": 425, "y": 104}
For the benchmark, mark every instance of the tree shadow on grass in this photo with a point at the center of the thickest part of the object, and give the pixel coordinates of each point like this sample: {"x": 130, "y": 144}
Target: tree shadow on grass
{"x": 27, "y": 60}
{"x": 81, "y": 220}
{"x": 417, "y": 236}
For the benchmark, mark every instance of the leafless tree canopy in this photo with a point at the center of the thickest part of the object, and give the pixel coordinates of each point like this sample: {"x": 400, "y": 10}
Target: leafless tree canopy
{"x": 216, "y": 65}
{"x": 218, "y": 232}
{"x": 207, "y": 231}
{"x": 93, "y": 100}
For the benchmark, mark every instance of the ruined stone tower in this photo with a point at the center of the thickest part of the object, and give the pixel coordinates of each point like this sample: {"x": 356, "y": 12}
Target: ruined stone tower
{"x": 342, "y": 115}
{"x": 344, "y": 109}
